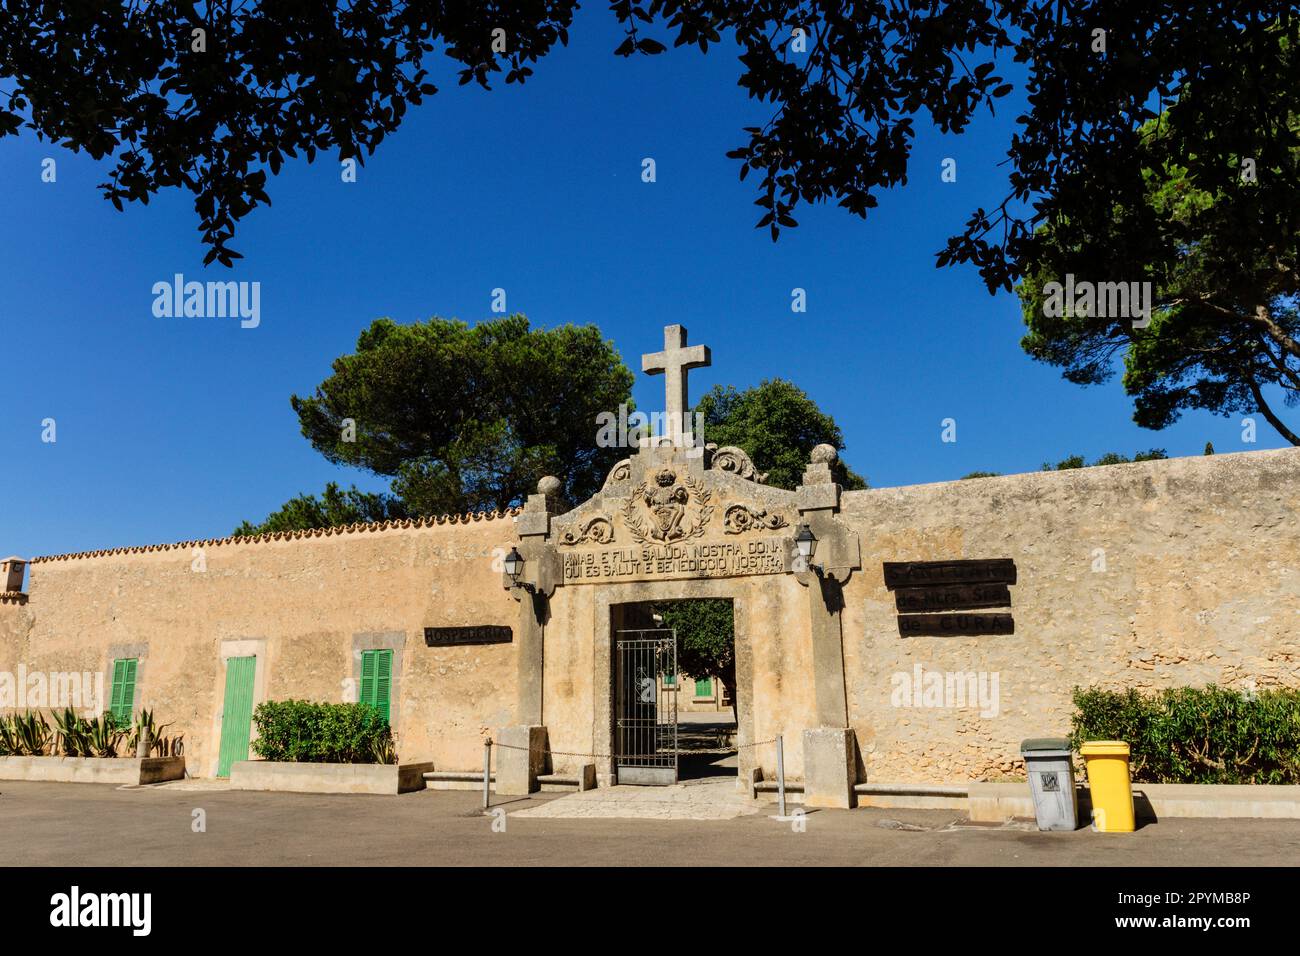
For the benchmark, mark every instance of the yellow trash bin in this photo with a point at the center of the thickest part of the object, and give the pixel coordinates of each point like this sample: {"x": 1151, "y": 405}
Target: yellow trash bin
{"x": 1112, "y": 791}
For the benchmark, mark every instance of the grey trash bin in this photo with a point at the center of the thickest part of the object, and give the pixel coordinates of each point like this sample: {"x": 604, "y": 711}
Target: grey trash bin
{"x": 1051, "y": 781}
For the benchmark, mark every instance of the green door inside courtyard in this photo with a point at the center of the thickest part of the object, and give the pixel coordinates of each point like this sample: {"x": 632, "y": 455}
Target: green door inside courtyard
{"x": 237, "y": 714}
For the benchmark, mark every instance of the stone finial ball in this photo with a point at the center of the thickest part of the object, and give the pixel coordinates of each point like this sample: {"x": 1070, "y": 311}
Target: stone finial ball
{"x": 824, "y": 454}
{"x": 549, "y": 486}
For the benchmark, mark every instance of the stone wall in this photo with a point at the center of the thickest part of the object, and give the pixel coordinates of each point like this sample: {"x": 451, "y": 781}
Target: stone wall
{"x": 1201, "y": 584}
{"x": 311, "y": 601}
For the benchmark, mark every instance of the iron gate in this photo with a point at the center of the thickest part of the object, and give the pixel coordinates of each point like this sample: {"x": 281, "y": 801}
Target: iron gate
{"x": 646, "y": 709}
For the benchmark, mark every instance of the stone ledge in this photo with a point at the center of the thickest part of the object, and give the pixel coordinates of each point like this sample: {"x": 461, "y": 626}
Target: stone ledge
{"x": 997, "y": 802}
{"x": 117, "y": 770}
{"x": 328, "y": 777}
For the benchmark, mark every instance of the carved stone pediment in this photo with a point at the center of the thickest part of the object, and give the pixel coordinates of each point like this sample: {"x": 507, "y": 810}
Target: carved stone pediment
{"x": 665, "y": 514}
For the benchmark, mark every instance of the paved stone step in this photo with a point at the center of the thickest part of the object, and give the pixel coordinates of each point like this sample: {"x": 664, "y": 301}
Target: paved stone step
{"x": 555, "y": 782}
{"x": 584, "y": 779}
{"x": 916, "y": 796}
{"x": 913, "y": 789}
{"x": 456, "y": 779}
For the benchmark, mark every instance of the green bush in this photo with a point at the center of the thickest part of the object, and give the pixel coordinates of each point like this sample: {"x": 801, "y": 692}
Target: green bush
{"x": 1196, "y": 734}
{"x": 307, "y": 732}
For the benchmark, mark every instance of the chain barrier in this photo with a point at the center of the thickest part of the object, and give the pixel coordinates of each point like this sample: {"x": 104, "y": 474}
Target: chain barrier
{"x": 488, "y": 743}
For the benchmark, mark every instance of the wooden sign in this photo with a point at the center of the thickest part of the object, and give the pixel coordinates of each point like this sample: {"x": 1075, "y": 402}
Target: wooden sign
{"x": 913, "y": 574}
{"x": 954, "y": 625}
{"x": 473, "y": 634}
{"x": 952, "y": 597}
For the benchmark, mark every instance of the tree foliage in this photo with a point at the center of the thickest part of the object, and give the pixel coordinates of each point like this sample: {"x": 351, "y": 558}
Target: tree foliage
{"x": 1110, "y": 458}
{"x": 469, "y": 419}
{"x": 845, "y": 83}
{"x": 777, "y": 425}
{"x": 706, "y": 646}
{"x": 334, "y": 507}
{"x": 129, "y": 82}
{"x": 1224, "y": 278}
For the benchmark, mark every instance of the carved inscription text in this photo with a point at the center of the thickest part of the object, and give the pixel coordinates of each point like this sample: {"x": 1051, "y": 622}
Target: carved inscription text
{"x": 694, "y": 559}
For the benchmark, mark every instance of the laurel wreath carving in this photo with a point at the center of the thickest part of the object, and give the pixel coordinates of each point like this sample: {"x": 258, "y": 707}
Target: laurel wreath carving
{"x": 633, "y": 522}
{"x": 705, "y": 498}
{"x": 637, "y": 526}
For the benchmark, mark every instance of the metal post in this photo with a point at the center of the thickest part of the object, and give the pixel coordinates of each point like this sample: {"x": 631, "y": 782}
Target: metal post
{"x": 487, "y": 770}
{"x": 780, "y": 776}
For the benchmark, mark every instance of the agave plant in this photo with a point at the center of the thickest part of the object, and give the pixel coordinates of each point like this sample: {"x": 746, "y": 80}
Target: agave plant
{"x": 8, "y": 736}
{"x": 160, "y": 745}
{"x": 104, "y": 736}
{"x": 70, "y": 737}
{"x": 384, "y": 749}
{"x": 33, "y": 734}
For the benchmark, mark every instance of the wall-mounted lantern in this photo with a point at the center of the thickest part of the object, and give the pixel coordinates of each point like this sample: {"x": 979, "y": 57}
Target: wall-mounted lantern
{"x": 806, "y": 543}
{"x": 514, "y": 565}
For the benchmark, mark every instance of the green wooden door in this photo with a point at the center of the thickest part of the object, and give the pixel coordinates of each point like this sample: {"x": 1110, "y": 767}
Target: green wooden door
{"x": 237, "y": 714}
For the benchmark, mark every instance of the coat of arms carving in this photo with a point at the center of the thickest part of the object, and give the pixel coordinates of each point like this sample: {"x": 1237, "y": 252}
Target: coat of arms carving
{"x": 664, "y": 509}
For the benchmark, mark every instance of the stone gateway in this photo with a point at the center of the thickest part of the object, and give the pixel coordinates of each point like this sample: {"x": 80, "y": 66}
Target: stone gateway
{"x": 1200, "y": 583}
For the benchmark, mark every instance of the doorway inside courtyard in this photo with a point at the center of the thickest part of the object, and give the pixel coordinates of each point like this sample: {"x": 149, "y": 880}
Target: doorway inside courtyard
{"x": 675, "y": 701}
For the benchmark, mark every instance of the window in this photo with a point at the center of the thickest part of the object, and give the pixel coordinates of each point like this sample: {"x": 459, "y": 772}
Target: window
{"x": 122, "y": 701}
{"x": 377, "y": 680}
{"x": 704, "y": 688}
{"x": 670, "y": 680}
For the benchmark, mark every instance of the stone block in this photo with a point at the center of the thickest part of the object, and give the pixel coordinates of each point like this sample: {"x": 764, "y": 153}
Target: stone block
{"x": 130, "y": 771}
{"x": 521, "y": 756}
{"x": 291, "y": 777}
{"x": 818, "y": 497}
{"x": 829, "y": 767}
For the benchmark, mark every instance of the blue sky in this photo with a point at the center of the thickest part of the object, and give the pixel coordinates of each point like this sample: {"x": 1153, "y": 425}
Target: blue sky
{"x": 175, "y": 428}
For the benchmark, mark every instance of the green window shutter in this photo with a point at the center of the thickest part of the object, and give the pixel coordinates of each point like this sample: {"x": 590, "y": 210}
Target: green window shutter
{"x": 377, "y": 680}
{"x": 704, "y": 688}
{"x": 383, "y": 682}
{"x": 670, "y": 680}
{"x": 122, "y": 700}
{"x": 367, "y": 695}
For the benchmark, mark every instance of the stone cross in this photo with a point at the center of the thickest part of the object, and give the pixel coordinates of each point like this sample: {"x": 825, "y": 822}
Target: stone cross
{"x": 673, "y": 363}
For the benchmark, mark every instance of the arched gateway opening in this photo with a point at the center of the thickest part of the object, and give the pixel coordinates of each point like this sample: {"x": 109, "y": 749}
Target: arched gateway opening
{"x": 680, "y": 520}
